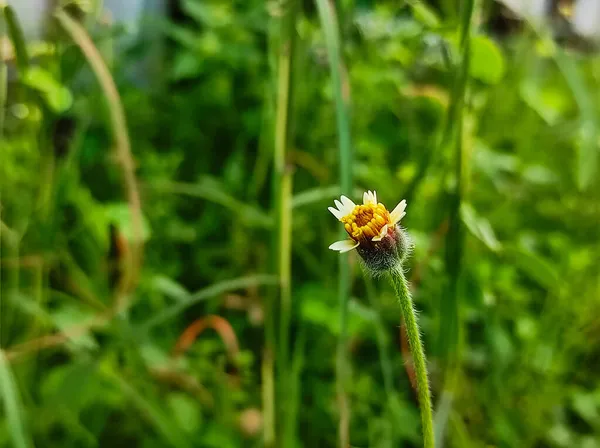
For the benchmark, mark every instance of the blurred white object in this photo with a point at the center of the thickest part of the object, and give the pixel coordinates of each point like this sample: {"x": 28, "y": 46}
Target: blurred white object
{"x": 533, "y": 10}
{"x": 586, "y": 18}
{"x": 32, "y": 15}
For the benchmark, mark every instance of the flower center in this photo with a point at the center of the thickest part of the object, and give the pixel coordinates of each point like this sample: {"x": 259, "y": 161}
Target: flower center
{"x": 366, "y": 221}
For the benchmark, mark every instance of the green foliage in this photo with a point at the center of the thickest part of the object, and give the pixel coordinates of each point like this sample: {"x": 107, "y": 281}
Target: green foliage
{"x": 525, "y": 334}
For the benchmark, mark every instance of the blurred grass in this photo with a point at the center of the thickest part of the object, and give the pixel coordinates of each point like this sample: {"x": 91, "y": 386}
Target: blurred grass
{"x": 12, "y": 405}
{"x": 487, "y": 126}
{"x": 341, "y": 92}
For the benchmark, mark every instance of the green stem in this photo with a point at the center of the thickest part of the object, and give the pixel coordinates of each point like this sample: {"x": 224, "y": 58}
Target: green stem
{"x": 416, "y": 347}
{"x": 341, "y": 89}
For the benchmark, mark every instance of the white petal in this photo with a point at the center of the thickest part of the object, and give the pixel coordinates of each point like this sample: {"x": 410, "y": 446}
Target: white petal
{"x": 343, "y": 246}
{"x": 369, "y": 197}
{"x": 374, "y": 196}
{"x": 336, "y": 212}
{"x": 348, "y": 205}
{"x": 398, "y": 213}
{"x": 339, "y": 205}
{"x": 366, "y": 198}
{"x": 382, "y": 234}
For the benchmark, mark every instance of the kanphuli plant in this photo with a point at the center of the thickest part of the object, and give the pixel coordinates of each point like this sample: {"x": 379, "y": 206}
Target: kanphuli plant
{"x": 383, "y": 246}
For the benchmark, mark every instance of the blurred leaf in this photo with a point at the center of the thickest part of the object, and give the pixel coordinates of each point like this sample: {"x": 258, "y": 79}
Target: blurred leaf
{"x": 12, "y": 405}
{"x": 588, "y": 146}
{"x": 535, "y": 266}
{"x": 170, "y": 288}
{"x": 68, "y": 317}
{"x": 57, "y": 96}
{"x": 479, "y": 227}
{"x": 425, "y": 14}
{"x": 207, "y": 293}
{"x": 119, "y": 214}
{"x": 549, "y": 101}
{"x": 209, "y": 14}
{"x": 212, "y": 190}
{"x": 584, "y": 403}
{"x": 149, "y": 410}
{"x": 186, "y": 65}
{"x": 487, "y": 61}
{"x": 185, "y": 410}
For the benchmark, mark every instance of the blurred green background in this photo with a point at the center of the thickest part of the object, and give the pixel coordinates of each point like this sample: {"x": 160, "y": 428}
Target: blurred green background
{"x": 165, "y": 276}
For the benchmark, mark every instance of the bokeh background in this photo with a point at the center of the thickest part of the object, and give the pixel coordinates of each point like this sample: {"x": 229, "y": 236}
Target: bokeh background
{"x": 165, "y": 175}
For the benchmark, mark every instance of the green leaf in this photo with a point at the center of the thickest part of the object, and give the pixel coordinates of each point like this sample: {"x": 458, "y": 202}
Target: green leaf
{"x": 479, "y": 227}
{"x": 148, "y": 409}
{"x": 549, "y": 101}
{"x": 588, "y": 146}
{"x": 12, "y": 405}
{"x": 425, "y": 15}
{"x": 119, "y": 214}
{"x": 186, "y": 65}
{"x": 185, "y": 410}
{"x": 57, "y": 96}
{"x": 207, "y": 293}
{"x": 487, "y": 61}
{"x": 535, "y": 266}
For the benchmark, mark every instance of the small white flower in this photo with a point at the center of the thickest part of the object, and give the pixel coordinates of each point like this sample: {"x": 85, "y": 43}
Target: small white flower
{"x": 373, "y": 231}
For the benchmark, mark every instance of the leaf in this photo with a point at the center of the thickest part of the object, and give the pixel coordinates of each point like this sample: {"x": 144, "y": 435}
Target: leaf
{"x": 479, "y": 227}
{"x": 152, "y": 412}
{"x": 69, "y": 316}
{"x": 186, "y": 65}
{"x": 588, "y": 146}
{"x": 12, "y": 405}
{"x": 535, "y": 266}
{"x": 425, "y": 15}
{"x": 170, "y": 288}
{"x": 207, "y": 293}
{"x": 584, "y": 403}
{"x": 487, "y": 61}
{"x": 549, "y": 101}
{"x": 185, "y": 410}
{"x": 119, "y": 214}
{"x": 57, "y": 96}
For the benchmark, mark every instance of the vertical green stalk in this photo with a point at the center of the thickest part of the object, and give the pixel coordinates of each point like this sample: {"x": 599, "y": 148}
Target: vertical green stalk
{"x": 341, "y": 91}
{"x": 283, "y": 176}
{"x": 282, "y": 245}
{"x": 418, "y": 353}
{"x": 449, "y": 334}
{"x": 3, "y": 92}
{"x": 122, "y": 150}
{"x": 11, "y": 28}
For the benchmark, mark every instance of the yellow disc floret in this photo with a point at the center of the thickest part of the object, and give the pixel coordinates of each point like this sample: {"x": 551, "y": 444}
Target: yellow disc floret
{"x": 366, "y": 221}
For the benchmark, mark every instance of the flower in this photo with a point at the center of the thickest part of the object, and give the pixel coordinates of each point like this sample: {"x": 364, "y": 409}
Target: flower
{"x": 374, "y": 231}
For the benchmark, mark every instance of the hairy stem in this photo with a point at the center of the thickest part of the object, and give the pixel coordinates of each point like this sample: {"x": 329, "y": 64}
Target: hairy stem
{"x": 416, "y": 347}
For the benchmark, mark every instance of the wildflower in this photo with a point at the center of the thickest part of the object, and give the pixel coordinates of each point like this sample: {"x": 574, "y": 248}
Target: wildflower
{"x": 374, "y": 232}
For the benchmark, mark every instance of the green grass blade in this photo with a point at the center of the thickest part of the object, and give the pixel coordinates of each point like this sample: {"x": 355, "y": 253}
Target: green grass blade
{"x": 16, "y": 36}
{"x": 282, "y": 197}
{"x": 341, "y": 91}
{"x": 150, "y": 411}
{"x": 12, "y": 405}
{"x": 207, "y": 293}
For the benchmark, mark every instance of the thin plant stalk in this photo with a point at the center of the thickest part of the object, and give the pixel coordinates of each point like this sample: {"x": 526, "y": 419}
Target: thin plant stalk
{"x": 409, "y": 315}
{"x": 122, "y": 149}
{"x": 342, "y": 98}
{"x": 450, "y": 324}
{"x": 282, "y": 244}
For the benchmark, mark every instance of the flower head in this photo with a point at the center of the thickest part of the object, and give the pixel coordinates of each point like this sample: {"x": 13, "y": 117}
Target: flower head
{"x": 374, "y": 232}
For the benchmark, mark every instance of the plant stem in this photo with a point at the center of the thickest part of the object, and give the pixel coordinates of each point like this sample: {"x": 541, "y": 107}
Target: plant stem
{"x": 341, "y": 89}
{"x": 416, "y": 347}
